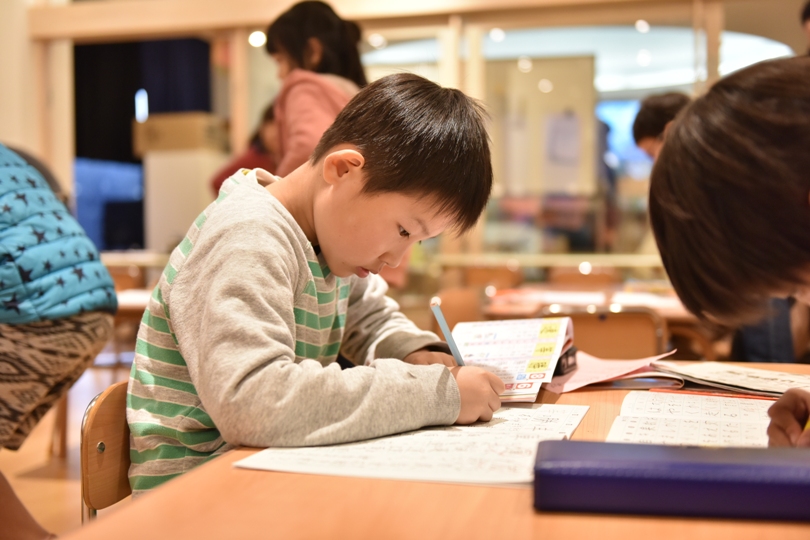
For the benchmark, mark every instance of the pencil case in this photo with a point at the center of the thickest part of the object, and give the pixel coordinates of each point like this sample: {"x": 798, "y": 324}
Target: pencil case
{"x": 597, "y": 477}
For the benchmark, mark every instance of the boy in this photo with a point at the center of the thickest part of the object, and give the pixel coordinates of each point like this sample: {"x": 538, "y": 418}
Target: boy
{"x": 729, "y": 205}
{"x": 238, "y": 344}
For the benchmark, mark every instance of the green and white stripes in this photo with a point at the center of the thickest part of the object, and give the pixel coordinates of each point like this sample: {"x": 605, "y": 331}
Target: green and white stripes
{"x": 171, "y": 432}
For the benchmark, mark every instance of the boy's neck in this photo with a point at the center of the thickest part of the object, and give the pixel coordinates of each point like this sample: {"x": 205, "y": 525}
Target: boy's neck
{"x": 296, "y": 193}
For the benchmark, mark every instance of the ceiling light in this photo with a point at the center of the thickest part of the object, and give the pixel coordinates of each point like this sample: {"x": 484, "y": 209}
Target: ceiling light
{"x": 524, "y": 64}
{"x": 642, "y": 26}
{"x": 497, "y": 35}
{"x": 377, "y": 41}
{"x": 257, "y": 38}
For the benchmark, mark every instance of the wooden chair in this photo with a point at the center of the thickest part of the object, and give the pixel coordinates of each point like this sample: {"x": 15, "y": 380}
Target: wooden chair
{"x": 459, "y": 304}
{"x": 630, "y": 333}
{"x": 105, "y": 451}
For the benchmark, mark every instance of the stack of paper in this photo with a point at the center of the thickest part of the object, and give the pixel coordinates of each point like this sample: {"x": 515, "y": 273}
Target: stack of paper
{"x": 687, "y": 419}
{"x": 501, "y": 451}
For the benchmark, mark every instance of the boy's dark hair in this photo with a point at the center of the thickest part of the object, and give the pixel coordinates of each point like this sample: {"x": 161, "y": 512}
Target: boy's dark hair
{"x": 420, "y": 139}
{"x": 268, "y": 115}
{"x": 729, "y": 192}
{"x": 806, "y": 13}
{"x": 656, "y": 112}
{"x": 290, "y": 33}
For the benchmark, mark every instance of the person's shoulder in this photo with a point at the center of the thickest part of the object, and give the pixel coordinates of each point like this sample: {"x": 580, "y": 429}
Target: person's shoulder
{"x": 246, "y": 209}
{"x": 301, "y": 79}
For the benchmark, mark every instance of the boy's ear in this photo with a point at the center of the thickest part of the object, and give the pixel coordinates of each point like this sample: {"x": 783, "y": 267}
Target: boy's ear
{"x": 342, "y": 164}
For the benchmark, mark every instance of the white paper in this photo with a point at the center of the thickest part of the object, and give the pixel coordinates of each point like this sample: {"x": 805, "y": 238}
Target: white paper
{"x": 501, "y": 451}
{"x": 688, "y": 419}
{"x": 724, "y": 375}
{"x": 591, "y": 369}
{"x": 522, "y": 353}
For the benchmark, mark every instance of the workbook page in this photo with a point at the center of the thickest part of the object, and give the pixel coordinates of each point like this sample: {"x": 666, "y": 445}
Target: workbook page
{"x": 523, "y": 352}
{"x": 737, "y": 377}
{"x": 501, "y": 451}
{"x": 688, "y": 419}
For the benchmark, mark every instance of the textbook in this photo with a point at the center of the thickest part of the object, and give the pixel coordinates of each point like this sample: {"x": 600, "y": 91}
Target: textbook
{"x": 522, "y": 352}
{"x": 746, "y": 483}
{"x": 746, "y": 380}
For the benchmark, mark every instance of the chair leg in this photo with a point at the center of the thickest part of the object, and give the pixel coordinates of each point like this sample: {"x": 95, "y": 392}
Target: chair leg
{"x": 88, "y": 514}
{"x": 58, "y": 446}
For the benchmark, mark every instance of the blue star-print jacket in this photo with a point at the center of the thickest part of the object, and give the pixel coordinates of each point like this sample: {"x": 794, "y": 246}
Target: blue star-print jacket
{"x": 49, "y": 269}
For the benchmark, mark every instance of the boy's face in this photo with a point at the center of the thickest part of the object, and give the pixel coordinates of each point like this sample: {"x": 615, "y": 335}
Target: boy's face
{"x": 360, "y": 234}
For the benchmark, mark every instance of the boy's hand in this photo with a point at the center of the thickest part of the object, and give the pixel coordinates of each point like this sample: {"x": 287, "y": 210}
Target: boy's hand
{"x": 424, "y": 357}
{"x": 480, "y": 391}
{"x": 788, "y": 417}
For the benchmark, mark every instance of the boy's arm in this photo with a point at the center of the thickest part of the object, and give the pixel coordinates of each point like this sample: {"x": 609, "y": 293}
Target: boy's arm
{"x": 376, "y": 328}
{"x": 231, "y": 307}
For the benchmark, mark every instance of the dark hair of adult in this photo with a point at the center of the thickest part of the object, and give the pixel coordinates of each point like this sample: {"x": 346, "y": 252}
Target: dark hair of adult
{"x": 656, "y": 112}
{"x": 419, "y": 139}
{"x": 291, "y": 31}
{"x": 729, "y": 192}
{"x": 806, "y": 13}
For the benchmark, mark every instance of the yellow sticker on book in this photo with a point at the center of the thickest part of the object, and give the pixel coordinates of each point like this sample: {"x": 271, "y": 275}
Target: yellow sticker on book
{"x": 544, "y": 349}
{"x": 549, "y": 329}
{"x": 537, "y": 365}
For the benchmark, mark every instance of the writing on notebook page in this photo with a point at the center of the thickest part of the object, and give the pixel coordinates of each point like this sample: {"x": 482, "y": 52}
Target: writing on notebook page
{"x": 497, "y": 452}
{"x": 687, "y": 419}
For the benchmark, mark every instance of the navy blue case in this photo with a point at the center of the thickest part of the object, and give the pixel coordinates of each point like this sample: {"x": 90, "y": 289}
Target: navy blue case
{"x": 751, "y": 483}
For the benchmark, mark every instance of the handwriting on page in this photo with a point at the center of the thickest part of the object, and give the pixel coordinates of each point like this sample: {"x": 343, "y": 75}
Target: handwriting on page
{"x": 500, "y": 451}
{"x": 686, "y": 419}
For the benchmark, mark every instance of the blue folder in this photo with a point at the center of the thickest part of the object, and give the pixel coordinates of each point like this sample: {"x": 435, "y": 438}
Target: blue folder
{"x": 750, "y": 483}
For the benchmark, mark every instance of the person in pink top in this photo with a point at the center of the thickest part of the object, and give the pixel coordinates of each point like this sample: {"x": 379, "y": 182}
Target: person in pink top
{"x": 319, "y": 65}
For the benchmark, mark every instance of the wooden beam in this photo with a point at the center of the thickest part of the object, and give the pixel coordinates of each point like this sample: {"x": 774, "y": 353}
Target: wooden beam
{"x": 238, "y": 91}
{"x": 120, "y": 20}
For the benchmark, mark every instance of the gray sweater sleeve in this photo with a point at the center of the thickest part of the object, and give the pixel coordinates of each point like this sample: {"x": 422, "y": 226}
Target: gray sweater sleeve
{"x": 376, "y": 328}
{"x": 231, "y": 307}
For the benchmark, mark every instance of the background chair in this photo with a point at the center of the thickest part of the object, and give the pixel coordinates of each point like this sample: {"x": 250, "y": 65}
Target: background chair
{"x": 105, "y": 451}
{"x": 630, "y": 333}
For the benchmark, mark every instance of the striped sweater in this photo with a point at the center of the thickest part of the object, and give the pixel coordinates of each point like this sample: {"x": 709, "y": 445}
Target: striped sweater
{"x": 239, "y": 340}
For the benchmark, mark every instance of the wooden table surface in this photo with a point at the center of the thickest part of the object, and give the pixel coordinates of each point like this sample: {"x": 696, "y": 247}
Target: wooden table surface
{"x": 220, "y": 501}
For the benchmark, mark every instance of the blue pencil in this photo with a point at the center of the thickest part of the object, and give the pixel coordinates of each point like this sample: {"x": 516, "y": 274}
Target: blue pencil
{"x": 435, "y": 307}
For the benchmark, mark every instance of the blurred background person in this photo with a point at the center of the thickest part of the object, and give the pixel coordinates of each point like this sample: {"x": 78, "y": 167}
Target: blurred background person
{"x": 262, "y": 152}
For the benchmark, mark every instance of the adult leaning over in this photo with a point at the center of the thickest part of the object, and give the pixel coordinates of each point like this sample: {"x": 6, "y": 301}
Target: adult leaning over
{"x": 56, "y": 313}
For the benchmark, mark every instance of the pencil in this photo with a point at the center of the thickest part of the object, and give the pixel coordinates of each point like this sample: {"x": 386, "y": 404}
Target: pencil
{"x": 435, "y": 304}
{"x": 713, "y": 394}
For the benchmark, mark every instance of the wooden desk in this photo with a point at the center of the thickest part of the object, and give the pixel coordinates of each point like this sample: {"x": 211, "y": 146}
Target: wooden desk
{"x": 218, "y": 501}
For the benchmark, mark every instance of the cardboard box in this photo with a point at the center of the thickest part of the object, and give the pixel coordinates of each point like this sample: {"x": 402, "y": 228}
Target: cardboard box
{"x": 179, "y": 131}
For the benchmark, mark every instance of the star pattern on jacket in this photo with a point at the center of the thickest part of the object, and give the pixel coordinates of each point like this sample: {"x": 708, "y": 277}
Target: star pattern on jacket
{"x": 8, "y": 305}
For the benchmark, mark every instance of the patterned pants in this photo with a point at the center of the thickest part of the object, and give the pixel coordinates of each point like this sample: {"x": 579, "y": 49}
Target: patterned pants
{"x": 39, "y": 362}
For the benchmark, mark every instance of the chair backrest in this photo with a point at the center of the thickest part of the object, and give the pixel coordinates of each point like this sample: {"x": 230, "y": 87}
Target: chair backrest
{"x": 630, "y": 333}
{"x": 462, "y": 304}
{"x": 105, "y": 449}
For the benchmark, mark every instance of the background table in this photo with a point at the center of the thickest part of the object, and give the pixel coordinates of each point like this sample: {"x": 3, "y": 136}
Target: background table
{"x": 220, "y": 501}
